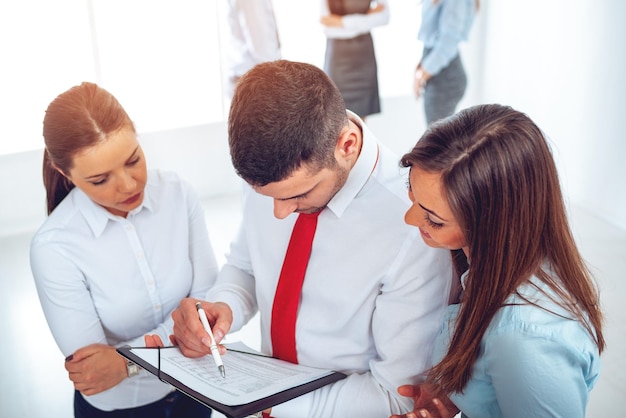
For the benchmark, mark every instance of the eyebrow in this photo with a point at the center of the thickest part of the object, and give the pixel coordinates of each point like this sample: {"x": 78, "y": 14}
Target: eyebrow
{"x": 102, "y": 174}
{"x": 432, "y": 212}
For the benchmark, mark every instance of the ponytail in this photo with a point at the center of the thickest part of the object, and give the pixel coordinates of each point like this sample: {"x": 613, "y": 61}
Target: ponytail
{"x": 57, "y": 185}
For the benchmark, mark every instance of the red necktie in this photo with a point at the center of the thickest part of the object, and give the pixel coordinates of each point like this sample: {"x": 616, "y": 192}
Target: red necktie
{"x": 287, "y": 297}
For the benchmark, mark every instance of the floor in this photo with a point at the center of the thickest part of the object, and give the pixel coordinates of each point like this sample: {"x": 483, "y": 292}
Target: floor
{"x": 34, "y": 383}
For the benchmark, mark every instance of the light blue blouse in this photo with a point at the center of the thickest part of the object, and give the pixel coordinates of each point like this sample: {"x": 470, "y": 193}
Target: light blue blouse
{"x": 444, "y": 25}
{"x": 532, "y": 363}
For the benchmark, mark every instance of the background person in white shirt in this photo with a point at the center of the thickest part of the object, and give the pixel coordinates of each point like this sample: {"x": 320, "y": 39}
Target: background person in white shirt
{"x": 373, "y": 294}
{"x": 252, "y": 37}
{"x": 121, "y": 247}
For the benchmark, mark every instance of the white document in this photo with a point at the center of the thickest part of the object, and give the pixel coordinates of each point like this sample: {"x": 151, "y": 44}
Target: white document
{"x": 249, "y": 377}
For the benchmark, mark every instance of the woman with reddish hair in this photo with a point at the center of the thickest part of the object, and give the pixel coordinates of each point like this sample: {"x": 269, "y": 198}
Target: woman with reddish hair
{"x": 122, "y": 245}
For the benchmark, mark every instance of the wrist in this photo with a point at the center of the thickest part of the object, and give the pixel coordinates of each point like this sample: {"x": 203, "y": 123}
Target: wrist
{"x": 423, "y": 74}
{"x": 420, "y": 79}
{"x": 132, "y": 369}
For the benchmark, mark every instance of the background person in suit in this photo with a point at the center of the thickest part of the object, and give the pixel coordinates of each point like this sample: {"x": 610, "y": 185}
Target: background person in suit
{"x": 350, "y": 59}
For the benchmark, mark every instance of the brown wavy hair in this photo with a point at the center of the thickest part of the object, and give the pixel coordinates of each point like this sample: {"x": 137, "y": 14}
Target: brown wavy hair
{"x": 501, "y": 183}
{"x": 77, "y": 119}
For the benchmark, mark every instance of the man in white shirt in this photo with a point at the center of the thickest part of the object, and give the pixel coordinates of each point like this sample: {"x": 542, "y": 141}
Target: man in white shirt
{"x": 374, "y": 293}
{"x": 252, "y": 37}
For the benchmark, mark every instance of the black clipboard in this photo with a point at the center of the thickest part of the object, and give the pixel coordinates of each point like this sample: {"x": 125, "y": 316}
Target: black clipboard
{"x": 231, "y": 411}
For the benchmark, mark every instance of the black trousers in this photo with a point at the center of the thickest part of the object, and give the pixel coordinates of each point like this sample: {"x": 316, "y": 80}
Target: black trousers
{"x": 174, "y": 405}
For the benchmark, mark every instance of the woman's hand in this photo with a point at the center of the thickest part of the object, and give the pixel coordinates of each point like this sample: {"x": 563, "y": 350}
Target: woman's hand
{"x": 152, "y": 341}
{"x": 332, "y": 21}
{"x": 419, "y": 81}
{"x": 425, "y": 404}
{"x": 96, "y": 368}
{"x": 376, "y": 9}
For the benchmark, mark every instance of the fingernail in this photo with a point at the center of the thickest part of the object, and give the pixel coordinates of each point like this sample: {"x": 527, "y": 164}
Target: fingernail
{"x": 436, "y": 401}
{"x": 422, "y": 413}
{"x": 218, "y": 335}
{"x": 69, "y": 358}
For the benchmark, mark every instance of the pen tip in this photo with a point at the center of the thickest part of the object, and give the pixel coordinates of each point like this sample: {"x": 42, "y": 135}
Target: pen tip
{"x": 223, "y": 372}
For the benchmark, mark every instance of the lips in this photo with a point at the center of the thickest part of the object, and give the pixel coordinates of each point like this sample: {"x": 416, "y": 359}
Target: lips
{"x": 424, "y": 234}
{"x": 133, "y": 199}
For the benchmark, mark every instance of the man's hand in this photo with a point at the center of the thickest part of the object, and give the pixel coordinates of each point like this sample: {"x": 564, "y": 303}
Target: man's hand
{"x": 189, "y": 334}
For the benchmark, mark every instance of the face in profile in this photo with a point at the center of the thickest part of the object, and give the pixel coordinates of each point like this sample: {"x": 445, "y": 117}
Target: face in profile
{"x": 112, "y": 173}
{"x": 431, "y": 213}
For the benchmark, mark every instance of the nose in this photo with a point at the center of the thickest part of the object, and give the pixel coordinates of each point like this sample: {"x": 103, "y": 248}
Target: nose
{"x": 283, "y": 208}
{"x": 127, "y": 183}
{"x": 412, "y": 216}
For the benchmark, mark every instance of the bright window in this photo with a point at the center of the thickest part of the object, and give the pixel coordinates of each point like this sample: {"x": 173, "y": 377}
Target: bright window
{"x": 160, "y": 58}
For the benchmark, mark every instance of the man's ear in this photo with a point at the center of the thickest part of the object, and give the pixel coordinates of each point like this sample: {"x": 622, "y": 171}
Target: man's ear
{"x": 348, "y": 144}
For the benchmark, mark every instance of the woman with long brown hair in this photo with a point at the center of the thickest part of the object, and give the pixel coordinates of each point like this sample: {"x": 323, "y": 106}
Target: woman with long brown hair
{"x": 525, "y": 335}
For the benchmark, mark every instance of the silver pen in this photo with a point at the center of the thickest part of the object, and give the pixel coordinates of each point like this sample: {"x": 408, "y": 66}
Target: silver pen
{"x": 214, "y": 350}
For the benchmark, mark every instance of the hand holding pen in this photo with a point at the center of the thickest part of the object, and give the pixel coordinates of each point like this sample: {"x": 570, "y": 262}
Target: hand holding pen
{"x": 214, "y": 350}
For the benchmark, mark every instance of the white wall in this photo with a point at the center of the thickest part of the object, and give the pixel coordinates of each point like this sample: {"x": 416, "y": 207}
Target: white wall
{"x": 563, "y": 62}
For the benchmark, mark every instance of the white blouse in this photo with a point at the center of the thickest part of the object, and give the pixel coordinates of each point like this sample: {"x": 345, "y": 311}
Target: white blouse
{"x": 106, "y": 279}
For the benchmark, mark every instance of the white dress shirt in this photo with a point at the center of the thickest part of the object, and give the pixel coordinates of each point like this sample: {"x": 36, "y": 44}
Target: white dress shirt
{"x": 253, "y": 35}
{"x": 106, "y": 279}
{"x": 373, "y": 297}
{"x": 355, "y": 24}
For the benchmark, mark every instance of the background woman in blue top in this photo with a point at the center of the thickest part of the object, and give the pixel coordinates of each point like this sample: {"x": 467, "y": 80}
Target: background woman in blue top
{"x": 525, "y": 337}
{"x": 440, "y": 77}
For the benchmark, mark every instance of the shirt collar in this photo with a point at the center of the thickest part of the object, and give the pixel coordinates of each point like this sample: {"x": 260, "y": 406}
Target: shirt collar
{"x": 98, "y": 217}
{"x": 360, "y": 172}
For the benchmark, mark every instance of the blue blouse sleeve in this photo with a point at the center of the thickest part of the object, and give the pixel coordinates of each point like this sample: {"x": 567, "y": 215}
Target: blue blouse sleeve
{"x": 453, "y": 22}
{"x": 535, "y": 375}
